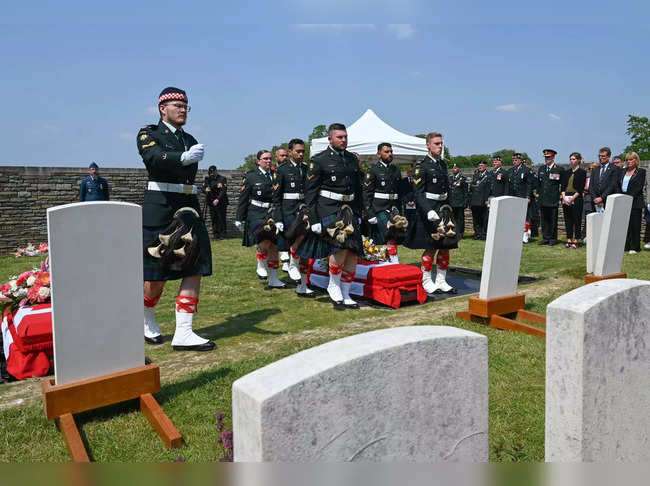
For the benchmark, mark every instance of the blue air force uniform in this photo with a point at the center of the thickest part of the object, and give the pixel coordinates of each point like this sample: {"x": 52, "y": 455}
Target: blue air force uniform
{"x": 93, "y": 189}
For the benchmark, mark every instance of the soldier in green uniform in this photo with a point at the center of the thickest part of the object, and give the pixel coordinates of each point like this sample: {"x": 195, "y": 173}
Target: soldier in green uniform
{"x": 479, "y": 192}
{"x": 281, "y": 156}
{"x": 520, "y": 184}
{"x": 498, "y": 178}
{"x": 381, "y": 193}
{"x": 332, "y": 192}
{"x": 288, "y": 197}
{"x": 431, "y": 189}
{"x": 216, "y": 198}
{"x": 533, "y": 207}
{"x": 171, "y": 157}
{"x": 254, "y": 209}
{"x": 458, "y": 197}
{"x": 549, "y": 177}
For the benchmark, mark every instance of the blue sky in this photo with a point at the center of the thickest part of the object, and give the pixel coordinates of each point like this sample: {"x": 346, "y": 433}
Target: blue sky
{"x": 80, "y": 92}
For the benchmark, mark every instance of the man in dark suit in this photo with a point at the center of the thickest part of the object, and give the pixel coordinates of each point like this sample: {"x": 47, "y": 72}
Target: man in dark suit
{"x": 604, "y": 180}
{"x": 549, "y": 176}
{"x": 216, "y": 196}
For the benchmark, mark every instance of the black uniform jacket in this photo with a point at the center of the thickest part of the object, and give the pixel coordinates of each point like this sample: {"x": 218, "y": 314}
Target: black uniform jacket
{"x": 635, "y": 187}
{"x": 406, "y": 191}
{"x": 161, "y": 153}
{"x": 218, "y": 189}
{"x": 256, "y": 186}
{"x": 498, "y": 182}
{"x": 479, "y": 189}
{"x": 458, "y": 190}
{"x": 385, "y": 179}
{"x": 550, "y": 178}
{"x": 430, "y": 176}
{"x": 329, "y": 171}
{"x": 520, "y": 182}
{"x": 603, "y": 186}
{"x": 290, "y": 180}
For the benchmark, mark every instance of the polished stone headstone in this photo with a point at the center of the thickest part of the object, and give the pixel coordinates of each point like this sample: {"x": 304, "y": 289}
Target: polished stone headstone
{"x": 612, "y": 235}
{"x": 594, "y": 227}
{"x": 503, "y": 244}
{"x": 409, "y": 394}
{"x": 598, "y": 373}
{"x": 96, "y": 270}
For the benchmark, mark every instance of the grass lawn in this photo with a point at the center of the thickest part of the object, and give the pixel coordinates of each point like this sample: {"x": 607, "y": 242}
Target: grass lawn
{"x": 253, "y": 327}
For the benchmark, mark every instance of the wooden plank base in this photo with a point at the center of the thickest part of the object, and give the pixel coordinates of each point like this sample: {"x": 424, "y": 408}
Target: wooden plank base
{"x": 160, "y": 421}
{"x": 501, "y": 322}
{"x": 589, "y": 278}
{"x": 72, "y": 438}
{"x": 508, "y": 304}
{"x": 528, "y": 316}
{"x": 492, "y": 312}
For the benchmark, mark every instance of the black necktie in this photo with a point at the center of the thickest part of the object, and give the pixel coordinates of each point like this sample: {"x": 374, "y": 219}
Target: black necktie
{"x": 179, "y": 136}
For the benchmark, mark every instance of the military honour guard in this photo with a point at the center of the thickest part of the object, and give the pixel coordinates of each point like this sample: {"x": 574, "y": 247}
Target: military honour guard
{"x": 216, "y": 200}
{"x": 434, "y": 228}
{"x": 458, "y": 197}
{"x": 479, "y": 193}
{"x": 498, "y": 178}
{"x": 289, "y": 199}
{"x": 382, "y": 202}
{"x": 549, "y": 177}
{"x": 176, "y": 242}
{"x": 256, "y": 219}
{"x": 333, "y": 197}
{"x": 520, "y": 184}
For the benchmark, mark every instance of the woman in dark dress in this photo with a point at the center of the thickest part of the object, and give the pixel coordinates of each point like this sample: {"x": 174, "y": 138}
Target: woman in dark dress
{"x": 632, "y": 182}
{"x": 573, "y": 187}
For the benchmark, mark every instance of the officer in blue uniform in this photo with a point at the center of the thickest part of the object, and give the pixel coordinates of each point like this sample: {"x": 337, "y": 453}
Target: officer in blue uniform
{"x": 93, "y": 187}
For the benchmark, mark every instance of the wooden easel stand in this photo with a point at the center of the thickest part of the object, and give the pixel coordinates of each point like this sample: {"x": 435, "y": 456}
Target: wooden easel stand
{"x": 63, "y": 401}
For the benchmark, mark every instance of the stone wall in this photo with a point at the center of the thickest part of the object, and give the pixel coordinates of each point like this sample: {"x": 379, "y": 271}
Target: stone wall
{"x": 26, "y": 193}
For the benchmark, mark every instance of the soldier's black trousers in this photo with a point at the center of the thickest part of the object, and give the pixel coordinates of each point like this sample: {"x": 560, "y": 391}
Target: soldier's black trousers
{"x": 218, "y": 217}
{"x": 549, "y": 223}
{"x": 459, "y": 218}
{"x": 480, "y": 220}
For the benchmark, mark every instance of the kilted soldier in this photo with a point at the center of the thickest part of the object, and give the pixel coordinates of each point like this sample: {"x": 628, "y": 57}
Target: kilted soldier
{"x": 382, "y": 201}
{"x": 498, "y": 179}
{"x": 479, "y": 192}
{"x": 255, "y": 215}
{"x": 431, "y": 188}
{"x": 520, "y": 184}
{"x": 288, "y": 198}
{"x": 458, "y": 197}
{"x": 333, "y": 196}
{"x": 549, "y": 176}
{"x": 177, "y": 244}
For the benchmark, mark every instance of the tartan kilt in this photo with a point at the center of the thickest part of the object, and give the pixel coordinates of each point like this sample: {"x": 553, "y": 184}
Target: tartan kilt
{"x": 420, "y": 229}
{"x": 314, "y": 246}
{"x": 153, "y": 271}
{"x": 378, "y": 231}
{"x": 249, "y": 239}
{"x": 283, "y": 243}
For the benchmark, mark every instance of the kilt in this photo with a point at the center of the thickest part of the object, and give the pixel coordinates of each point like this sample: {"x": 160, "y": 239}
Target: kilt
{"x": 249, "y": 239}
{"x": 153, "y": 271}
{"x": 378, "y": 231}
{"x": 313, "y": 246}
{"x": 420, "y": 229}
{"x": 283, "y": 243}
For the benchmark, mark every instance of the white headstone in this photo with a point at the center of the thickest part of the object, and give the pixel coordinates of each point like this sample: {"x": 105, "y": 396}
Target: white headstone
{"x": 598, "y": 373}
{"x": 612, "y": 235}
{"x": 502, "y": 254}
{"x": 594, "y": 227}
{"x": 96, "y": 269}
{"x": 414, "y": 394}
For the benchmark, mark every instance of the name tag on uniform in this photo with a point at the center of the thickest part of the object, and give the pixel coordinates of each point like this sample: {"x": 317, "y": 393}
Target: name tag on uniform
{"x": 554, "y": 176}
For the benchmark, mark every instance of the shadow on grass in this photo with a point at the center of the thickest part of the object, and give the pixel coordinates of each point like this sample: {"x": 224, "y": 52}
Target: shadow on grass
{"x": 172, "y": 390}
{"x": 241, "y": 324}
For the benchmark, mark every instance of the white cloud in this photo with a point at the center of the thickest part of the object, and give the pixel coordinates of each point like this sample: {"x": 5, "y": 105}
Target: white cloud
{"x": 127, "y": 136}
{"x": 512, "y": 107}
{"x": 401, "y": 31}
{"x": 553, "y": 116}
{"x": 334, "y": 27}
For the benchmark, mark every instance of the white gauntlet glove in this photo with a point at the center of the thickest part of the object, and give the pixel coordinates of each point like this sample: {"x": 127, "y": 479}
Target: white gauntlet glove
{"x": 279, "y": 225}
{"x": 238, "y": 224}
{"x": 193, "y": 155}
{"x": 316, "y": 228}
{"x": 432, "y": 215}
{"x": 373, "y": 220}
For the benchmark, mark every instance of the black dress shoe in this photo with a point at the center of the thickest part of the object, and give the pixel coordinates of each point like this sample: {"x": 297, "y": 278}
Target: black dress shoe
{"x": 451, "y": 291}
{"x": 351, "y": 306}
{"x": 543, "y": 242}
{"x": 338, "y": 305}
{"x": 552, "y": 243}
{"x": 154, "y": 340}
{"x": 310, "y": 295}
{"x": 209, "y": 346}
{"x": 475, "y": 237}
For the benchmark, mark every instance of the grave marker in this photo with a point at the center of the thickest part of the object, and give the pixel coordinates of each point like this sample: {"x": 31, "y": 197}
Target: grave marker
{"x": 594, "y": 228}
{"x": 612, "y": 236}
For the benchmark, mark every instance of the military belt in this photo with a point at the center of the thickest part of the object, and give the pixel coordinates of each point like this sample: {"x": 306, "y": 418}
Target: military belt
{"x": 260, "y": 204}
{"x": 336, "y": 196}
{"x": 436, "y": 197}
{"x": 171, "y": 187}
{"x": 386, "y": 195}
{"x": 293, "y": 195}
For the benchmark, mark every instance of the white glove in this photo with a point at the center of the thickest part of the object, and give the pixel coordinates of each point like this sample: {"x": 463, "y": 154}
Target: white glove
{"x": 280, "y": 226}
{"x": 316, "y": 228}
{"x": 193, "y": 155}
{"x": 238, "y": 224}
{"x": 432, "y": 215}
{"x": 373, "y": 220}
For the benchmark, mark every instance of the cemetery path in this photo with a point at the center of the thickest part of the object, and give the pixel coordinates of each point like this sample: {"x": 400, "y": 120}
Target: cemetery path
{"x": 179, "y": 365}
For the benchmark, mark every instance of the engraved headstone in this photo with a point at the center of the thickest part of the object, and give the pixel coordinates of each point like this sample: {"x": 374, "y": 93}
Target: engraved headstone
{"x": 416, "y": 394}
{"x": 96, "y": 270}
{"x": 598, "y": 373}
{"x": 502, "y": 255}
{"x": 612, "y": 235}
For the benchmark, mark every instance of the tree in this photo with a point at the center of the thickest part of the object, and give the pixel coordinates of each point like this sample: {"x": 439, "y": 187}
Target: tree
{"x": 638, "y": 128}
{"x": 250, "y": 162}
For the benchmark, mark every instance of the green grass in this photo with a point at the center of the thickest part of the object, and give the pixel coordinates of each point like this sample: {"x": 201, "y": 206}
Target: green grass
{"x": 254, "y": 327}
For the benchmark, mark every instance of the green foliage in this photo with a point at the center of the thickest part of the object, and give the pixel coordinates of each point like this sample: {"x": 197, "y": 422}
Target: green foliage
{"x": 474, "y": 159}
{"x": 638, "y": 128}
{"x": 250, "y": 162}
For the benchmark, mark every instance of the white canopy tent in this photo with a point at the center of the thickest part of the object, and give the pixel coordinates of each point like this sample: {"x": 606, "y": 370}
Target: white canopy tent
{"x": 369, "y": 131}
